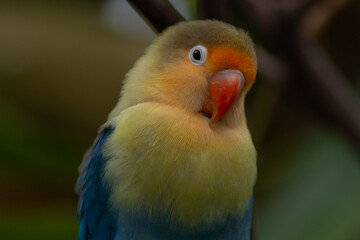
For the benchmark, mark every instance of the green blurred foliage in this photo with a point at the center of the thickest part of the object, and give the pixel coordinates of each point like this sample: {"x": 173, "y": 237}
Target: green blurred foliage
{"x": 61, "y": 66}
{"x": 57, "y": 222}
{"x": 316, "y": 194}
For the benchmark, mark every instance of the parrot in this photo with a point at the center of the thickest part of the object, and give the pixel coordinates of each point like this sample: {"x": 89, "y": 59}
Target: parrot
{"x": 175, "y": 159}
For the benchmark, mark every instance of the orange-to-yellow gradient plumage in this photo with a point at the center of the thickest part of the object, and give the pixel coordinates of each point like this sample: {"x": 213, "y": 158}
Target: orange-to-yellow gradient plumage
{"x": 177, "y": 161}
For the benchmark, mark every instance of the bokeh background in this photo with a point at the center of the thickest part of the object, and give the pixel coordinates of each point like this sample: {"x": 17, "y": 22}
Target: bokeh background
{"x": 61, "y": 67}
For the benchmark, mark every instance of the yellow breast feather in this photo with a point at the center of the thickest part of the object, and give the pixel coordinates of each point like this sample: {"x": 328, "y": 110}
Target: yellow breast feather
{"x": 159, "y": 163}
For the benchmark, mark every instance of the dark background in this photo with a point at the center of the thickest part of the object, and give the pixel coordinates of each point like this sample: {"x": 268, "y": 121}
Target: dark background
{"x": 61, "y": 67}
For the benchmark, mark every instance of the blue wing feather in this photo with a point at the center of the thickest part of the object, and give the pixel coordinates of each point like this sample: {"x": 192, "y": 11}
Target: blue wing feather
{"x": 96, "y": 221}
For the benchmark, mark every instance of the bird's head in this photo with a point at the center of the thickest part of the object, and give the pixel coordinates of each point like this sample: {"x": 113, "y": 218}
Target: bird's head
{"x": 205, "y": 67}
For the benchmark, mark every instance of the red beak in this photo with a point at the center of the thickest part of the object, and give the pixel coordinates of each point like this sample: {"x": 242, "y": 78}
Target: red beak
{"x": 224, "y": 87}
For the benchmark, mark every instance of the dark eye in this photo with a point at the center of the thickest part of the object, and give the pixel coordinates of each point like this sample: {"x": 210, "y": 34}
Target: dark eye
{"x": 198, "y": 54}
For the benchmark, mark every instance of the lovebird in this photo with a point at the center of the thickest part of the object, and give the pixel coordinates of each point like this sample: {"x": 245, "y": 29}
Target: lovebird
{"x": 175, "y": 159}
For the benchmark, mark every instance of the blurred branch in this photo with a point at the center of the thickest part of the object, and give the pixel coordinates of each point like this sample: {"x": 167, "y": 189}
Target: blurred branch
{"x": 159, "y": 14}
{"x": 319, "y": 82}
{"x": 316, "y": 18}
{"x": 334, "y": 96}
{"x": 213, "y": 9}
{"x": 262, "y": 16}
{"x": 297, "y": 11}
{"x": 271, "y": 68}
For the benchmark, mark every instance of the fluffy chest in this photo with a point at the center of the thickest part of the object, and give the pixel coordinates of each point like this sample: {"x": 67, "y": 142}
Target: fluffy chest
{"x": 164, "y": 162}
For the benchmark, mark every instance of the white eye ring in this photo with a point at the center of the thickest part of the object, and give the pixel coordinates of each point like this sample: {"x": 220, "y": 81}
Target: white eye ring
{"x": 198, "y": 54}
